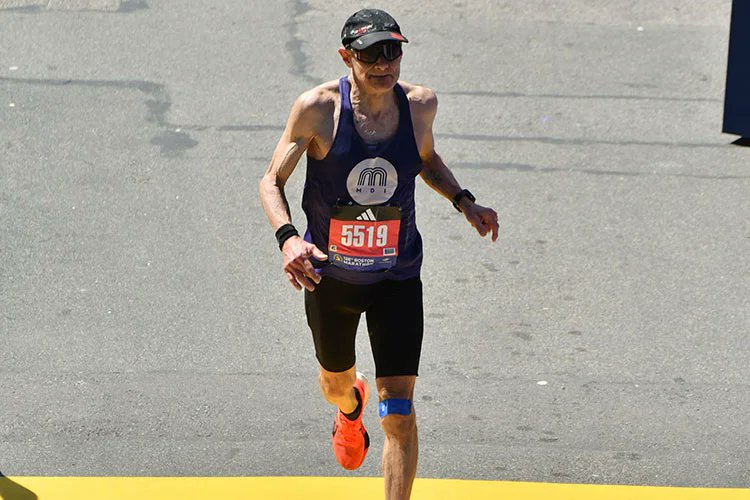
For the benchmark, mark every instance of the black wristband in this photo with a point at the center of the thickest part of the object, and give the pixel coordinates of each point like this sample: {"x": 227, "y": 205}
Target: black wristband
{"x": 284, "y": 233}
{"x": 464, "y": 193}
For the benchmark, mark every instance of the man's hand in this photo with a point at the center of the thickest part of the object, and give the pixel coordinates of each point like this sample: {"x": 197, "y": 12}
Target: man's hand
{"x": 482, "y": 218}
{"x": 297, "y": 266}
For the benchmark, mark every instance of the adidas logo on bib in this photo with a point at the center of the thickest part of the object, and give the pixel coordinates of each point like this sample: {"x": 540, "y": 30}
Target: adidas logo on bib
{"x": 367, "y": 215}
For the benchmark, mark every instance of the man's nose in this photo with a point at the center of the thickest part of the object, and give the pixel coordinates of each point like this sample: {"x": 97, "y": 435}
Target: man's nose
{"x": 382, "y": 61}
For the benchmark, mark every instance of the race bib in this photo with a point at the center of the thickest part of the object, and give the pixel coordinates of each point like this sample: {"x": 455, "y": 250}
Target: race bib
{"x": 364, "y": 238}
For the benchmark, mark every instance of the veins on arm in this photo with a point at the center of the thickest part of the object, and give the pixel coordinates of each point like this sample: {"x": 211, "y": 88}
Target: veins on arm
{"x": 439, "y": 177}
{"x": 434, "y": 171}
{"x": 432, "y": 177}
{"x": 294, "y": 141}
{"x": 272, "y": 185}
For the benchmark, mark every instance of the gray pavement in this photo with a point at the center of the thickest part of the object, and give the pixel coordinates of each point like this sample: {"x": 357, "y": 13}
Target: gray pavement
{"x": 146, "y": 328}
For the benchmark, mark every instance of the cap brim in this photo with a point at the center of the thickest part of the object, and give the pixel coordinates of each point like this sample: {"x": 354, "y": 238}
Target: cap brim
{"x": 371, "y": 38}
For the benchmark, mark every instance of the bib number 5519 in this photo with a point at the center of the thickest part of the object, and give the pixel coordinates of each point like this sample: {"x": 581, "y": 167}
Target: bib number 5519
{"x": 355, "y": 235}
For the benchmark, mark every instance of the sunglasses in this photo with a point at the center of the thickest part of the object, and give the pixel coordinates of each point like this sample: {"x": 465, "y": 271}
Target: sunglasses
{"x": 390, "y": 51}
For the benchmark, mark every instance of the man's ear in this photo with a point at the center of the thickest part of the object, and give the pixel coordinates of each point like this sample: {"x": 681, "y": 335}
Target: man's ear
{"x": 346, "y": 56}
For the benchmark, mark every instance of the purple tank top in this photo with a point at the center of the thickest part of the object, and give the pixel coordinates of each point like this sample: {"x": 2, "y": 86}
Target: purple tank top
{"x": 355, "y": 173}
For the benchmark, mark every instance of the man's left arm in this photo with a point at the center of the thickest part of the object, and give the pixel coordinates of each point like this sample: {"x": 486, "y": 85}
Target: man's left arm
{"x": 438, "y": 176}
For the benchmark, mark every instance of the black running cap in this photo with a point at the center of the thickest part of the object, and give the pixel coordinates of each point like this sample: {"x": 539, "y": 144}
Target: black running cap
{"x": 369, "y": 26}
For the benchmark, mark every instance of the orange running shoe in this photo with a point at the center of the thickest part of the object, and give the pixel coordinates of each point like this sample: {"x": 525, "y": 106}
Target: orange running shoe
{"x": 350, "y": 439}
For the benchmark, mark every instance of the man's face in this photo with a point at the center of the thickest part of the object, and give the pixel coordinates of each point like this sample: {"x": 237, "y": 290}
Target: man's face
{"x": 372, "y": 69}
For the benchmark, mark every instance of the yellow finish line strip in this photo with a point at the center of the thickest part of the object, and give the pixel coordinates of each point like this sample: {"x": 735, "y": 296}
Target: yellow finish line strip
{"x": 329, "y": 488}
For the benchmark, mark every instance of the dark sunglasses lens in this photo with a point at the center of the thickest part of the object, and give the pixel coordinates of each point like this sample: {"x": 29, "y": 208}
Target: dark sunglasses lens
{"x": 390, "y": 51}
{"x": 370, "y": 54}
{"x": 366, "y": 55}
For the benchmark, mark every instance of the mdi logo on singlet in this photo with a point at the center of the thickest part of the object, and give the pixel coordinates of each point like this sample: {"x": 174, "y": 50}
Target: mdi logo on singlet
{"x": 372, "y": 181}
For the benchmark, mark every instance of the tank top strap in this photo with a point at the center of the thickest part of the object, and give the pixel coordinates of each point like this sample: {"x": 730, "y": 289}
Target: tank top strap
{"x": 403, "y": 101}
{"x": 345, "y": 91}
{"x": 404, "y": 111}
{"x": 346, "y": 115}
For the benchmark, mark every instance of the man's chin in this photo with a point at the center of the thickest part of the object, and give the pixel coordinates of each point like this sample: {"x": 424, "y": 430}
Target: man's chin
{"x": 382, "y": 82}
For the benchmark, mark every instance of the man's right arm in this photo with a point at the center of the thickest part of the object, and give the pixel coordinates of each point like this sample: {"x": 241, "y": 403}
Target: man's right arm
{"x": 299, "y": 133}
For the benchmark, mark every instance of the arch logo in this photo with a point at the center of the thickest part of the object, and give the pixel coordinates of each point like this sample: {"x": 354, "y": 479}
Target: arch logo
{"x": 372, "y": 181}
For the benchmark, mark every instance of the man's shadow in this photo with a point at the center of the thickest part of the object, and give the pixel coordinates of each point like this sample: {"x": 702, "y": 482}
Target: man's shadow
{"x": 10, "y": 490}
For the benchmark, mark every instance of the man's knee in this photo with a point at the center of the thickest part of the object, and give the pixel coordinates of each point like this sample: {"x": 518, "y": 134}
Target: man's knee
{"x": 397, "y": 418}
{"x": 336, "y": 385}
{"x": 399, "y": 426}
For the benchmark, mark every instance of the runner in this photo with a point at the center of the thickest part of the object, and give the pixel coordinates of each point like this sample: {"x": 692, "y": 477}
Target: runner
{"x": 367, "y": 137}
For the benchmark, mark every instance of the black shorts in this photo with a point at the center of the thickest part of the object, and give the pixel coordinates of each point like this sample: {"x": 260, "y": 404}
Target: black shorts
{"x": 395, "y": 323}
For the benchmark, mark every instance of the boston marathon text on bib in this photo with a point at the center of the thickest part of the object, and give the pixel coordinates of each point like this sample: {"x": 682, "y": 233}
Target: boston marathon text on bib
{"x": 364, "y": 238}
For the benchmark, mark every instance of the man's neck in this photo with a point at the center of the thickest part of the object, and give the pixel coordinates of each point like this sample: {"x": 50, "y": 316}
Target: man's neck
{"x": 373, "y": 104}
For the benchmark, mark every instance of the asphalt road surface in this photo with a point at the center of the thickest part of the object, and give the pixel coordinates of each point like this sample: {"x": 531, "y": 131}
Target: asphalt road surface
{"x": 146, "y": 327}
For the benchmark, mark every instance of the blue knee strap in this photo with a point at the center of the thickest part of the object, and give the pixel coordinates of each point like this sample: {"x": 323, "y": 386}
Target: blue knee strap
{"x": 394, "y": 407}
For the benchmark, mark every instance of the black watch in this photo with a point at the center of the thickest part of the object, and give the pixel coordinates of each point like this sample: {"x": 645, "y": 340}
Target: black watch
{"x": 464, "y": 193}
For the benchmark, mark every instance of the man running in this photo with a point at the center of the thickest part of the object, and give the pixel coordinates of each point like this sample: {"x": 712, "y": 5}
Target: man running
{"x": 367, "y": 137}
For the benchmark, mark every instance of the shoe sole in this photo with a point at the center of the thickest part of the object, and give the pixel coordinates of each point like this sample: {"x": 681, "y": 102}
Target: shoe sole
{"x": 366, "y": 384}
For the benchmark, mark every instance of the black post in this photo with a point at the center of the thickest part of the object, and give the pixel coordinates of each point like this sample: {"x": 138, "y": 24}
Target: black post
{"x": 737, "y": 97}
